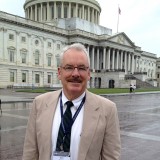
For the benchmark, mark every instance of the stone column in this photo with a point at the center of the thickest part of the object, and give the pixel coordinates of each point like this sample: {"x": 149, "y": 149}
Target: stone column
{"x": 88, "y": 13}
{"x": 97, "y": 17}
{"x": 41, "y": 12}
{"x": 96, "y": 20}
{"x": 121, "y": 61}
{"x": 93, "y": 58}
{"x": 44, "y": 13}
{"x": 135, "y": 69}
{"x": 113, "y": 58}
{"x": 31, "y": 13}
{"x": 129, "y": 61}
{"x": 35, "y": 12}
{"x": 27, "y": 12}
{"x": 83, "y": 12}
{"x": 62, "y": 10}
{"x": 132, "y": 63}
{"x": 48, "y": 12}
{"x": 108, "y": 58}
{"x": 69, "y": 10}
{"x": 104, "y": 58}
{"x": 125, "y": 62}
{"x": 117, "y": 60}
{"x": 92, "y": 15}
{"x": 76, "y": 14}
{"x": 138, "y": 64}
{"x": 97, "y": 58}
{"x": 55, "y": 10}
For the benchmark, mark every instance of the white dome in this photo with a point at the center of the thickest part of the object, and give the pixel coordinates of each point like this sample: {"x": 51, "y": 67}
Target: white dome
{"x": 47, "y": 10}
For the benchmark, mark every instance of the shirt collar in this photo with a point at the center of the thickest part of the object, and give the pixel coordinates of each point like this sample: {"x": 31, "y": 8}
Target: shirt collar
{"x": 76, "y": 101}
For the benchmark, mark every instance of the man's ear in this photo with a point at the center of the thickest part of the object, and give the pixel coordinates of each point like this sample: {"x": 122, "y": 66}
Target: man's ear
{"x": 59, "y": 73}
{"x": 89, "y": 75}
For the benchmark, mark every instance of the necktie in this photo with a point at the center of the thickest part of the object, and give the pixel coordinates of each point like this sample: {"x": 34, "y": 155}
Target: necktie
{"x": 63, "y": 140}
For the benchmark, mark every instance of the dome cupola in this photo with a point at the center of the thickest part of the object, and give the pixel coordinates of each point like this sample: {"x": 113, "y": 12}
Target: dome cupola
{"x": 48, "y": 10}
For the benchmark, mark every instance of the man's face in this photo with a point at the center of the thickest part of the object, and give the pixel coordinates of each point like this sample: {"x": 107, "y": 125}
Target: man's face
{"x": 74, "y": 80}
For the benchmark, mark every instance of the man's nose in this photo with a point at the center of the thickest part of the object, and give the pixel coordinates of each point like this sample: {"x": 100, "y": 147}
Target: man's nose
{"x": 75, "y": 72}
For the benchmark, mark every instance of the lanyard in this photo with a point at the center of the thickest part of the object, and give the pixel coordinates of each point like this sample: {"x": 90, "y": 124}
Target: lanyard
{"x": 75, "y": 115}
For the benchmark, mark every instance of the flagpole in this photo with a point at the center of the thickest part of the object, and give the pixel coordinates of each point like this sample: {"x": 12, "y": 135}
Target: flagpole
{"x": 118, "y": 18}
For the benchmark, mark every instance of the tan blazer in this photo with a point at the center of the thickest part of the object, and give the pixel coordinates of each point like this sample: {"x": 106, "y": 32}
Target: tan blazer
{"x": 100, "y": 138}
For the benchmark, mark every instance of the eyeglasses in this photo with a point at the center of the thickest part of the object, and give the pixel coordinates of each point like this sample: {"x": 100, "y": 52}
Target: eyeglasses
{"x": 70, "y": 68}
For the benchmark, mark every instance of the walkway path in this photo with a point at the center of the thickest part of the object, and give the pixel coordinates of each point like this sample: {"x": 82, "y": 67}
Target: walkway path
{"x": 139, "y": 116}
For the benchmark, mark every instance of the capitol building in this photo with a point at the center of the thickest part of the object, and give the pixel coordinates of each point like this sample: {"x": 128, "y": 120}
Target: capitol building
{"x": 30, "y": 47}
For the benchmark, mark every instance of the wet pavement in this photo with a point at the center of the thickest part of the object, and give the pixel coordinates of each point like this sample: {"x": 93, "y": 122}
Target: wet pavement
{"x": 139, "y": 116}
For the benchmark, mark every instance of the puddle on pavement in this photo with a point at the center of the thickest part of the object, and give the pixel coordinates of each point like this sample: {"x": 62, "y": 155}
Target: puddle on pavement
{"x": 13, "y": 115}
{"x": 16, "y": 106}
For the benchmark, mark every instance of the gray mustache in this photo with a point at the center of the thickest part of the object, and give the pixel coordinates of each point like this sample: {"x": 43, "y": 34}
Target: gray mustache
{"x": 75, "y": 80}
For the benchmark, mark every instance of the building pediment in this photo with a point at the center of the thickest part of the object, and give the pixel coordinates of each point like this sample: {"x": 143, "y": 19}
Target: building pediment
{"x": 121, "y": 38}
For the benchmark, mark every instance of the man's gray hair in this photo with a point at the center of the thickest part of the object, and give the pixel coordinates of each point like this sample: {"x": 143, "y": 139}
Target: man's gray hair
{"x": 78, "y": 47}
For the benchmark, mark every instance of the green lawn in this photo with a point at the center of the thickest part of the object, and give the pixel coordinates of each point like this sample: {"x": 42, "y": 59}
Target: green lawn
{"x": 121, "y": 90}
{"x": 96, "y": 91}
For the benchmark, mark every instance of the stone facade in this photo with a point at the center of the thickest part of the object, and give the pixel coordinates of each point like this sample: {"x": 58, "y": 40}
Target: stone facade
{"x": 158, "y": 72}
{"x": 30, "y": 47}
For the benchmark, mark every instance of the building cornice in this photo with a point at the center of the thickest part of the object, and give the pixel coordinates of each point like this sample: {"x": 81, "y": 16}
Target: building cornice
{"x": 31, "y": 24}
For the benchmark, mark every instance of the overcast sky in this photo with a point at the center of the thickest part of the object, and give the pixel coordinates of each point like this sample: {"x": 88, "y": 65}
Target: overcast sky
{"x": 139, "y": 19}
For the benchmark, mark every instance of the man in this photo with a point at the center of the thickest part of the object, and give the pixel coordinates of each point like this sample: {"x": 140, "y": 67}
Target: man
{"x": 93, "y": 133}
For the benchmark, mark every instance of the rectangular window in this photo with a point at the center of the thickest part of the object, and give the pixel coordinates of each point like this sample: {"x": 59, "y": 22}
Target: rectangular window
{"x": 24, "y": 77}
{"x": 157, "y": 75}
{"x": 37, "y": 80}
{"x": 11, "y": 55}
{"x": 37, "y": 59}
{"x": 23, "y": 57}
{"x": 58, "y": 60}
{"x": 11, "y": 36}
{"x": 49, "y": 61}
{"x": 58, "y": 46}
{"x": 49, "y": 44}
{"x": 23, "y": 39}
{"x": 12, "y": 76}
{"x": 49, "y": 78}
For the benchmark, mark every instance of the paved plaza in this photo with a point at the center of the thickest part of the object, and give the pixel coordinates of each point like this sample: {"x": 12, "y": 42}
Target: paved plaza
{"x": 139, "y": 116}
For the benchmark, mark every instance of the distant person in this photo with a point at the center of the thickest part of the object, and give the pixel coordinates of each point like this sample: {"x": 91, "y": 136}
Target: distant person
{"x": 134, "y": 88}
{"x": 72, "y": 123}
{"x": 131, "y": 88}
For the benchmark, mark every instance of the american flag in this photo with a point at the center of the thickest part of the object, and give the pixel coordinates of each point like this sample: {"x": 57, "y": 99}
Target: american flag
{"x": 119, "y": 10}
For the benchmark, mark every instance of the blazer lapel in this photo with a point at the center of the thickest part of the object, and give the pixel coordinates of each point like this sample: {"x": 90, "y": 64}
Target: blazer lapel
{"x": 90, "y": 120}
{"x": 49, "y": 115}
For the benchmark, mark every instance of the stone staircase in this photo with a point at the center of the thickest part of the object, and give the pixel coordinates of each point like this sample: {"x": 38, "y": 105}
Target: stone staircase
{"x": 139, "y": 83}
